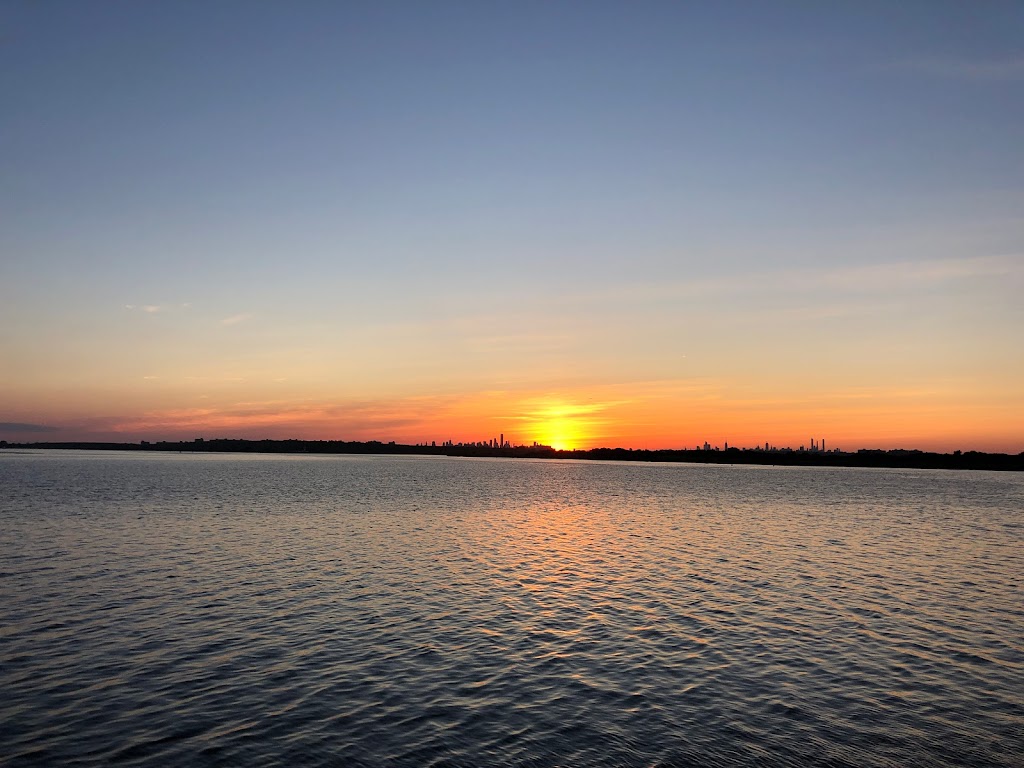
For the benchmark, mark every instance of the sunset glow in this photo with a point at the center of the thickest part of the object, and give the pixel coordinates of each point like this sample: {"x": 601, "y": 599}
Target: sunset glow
{"x": 496, "y": 227}
{"x": 562, "y": 425}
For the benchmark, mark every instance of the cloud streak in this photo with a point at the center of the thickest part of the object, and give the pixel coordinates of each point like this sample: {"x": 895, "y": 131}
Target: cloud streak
{"x": 883, "y": 278}
{"x": 17, "y": 426}
{"x": 991, "y": 69}
{"x": 155, "y": 309}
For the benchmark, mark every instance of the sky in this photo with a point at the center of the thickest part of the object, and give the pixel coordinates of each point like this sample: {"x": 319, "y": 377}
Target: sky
{"x": 643, "y": 224}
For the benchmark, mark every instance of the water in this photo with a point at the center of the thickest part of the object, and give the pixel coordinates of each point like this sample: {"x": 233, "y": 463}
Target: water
{"x": 246, "y": 610}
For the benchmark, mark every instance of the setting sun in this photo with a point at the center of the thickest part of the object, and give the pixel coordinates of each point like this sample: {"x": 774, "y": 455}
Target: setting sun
{"x": 563, "y": 426}
{"x": 558, "y": 437}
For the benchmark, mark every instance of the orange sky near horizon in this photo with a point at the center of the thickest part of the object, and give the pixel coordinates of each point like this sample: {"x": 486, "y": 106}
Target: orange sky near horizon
{"x": 900, "y": 355}
{"x": 572, "y": 373}
{"x": 648, "y": 415}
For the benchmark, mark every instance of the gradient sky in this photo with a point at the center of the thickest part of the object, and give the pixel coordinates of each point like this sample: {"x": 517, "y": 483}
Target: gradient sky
{"x": 584, "y": 223}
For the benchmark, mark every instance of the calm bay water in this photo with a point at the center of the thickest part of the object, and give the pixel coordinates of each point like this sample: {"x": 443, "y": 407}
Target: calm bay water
{"x": 251, "y": 610}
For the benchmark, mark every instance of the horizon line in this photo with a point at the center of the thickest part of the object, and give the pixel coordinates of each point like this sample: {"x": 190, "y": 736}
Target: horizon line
{"x": 433, "y": 446}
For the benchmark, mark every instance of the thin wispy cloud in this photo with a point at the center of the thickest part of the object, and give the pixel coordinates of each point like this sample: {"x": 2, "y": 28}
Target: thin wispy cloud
{"x": 366, "y": 420}
{"x": 989, "y": 69}
{"x": 18, "y": 426}
{"x": 212, "y": 379}
{"x": 153, "y": 309}
{"x": 545, "y": 411}
{"x": 874, "y": 278}
{"x": 236, "y": 319}
{"x": 918, "y": 272}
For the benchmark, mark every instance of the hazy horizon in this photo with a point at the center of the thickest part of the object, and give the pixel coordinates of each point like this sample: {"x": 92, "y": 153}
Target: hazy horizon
{"x": 43, "y": 437}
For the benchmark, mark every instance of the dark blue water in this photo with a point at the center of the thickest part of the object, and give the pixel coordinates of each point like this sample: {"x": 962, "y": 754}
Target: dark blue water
{"x": 226, "y": 610}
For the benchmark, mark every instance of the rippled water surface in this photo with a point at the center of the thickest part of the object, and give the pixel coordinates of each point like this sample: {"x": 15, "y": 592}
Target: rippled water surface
{"x": 245, "y": 610}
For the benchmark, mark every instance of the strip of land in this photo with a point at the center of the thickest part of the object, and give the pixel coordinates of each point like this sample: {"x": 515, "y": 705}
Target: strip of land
{"x": 909, "y": 459}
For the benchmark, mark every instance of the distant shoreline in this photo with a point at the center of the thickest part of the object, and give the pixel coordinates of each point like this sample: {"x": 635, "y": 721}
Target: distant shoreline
{"x": 894, "y": 459}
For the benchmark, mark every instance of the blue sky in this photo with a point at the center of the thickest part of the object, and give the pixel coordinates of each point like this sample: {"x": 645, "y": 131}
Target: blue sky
{"x": 319, "y": 167}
